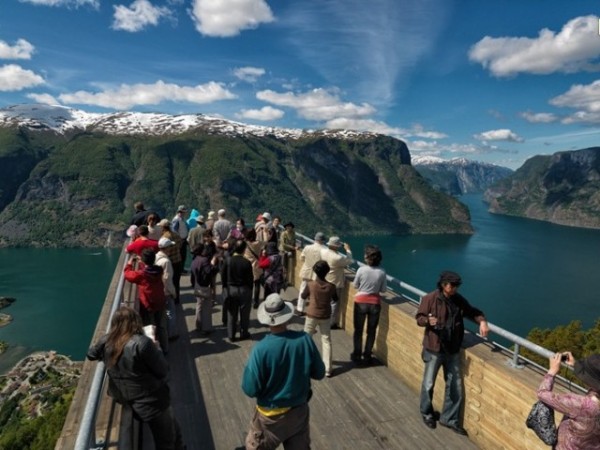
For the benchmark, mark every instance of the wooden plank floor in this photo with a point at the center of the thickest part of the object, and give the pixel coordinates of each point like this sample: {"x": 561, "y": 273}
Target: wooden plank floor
{"x": 358, "y": 408}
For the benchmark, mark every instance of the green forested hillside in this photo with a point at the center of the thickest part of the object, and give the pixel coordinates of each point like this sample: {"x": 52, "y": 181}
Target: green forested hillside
{"x": 79, "y": 189}
{"x": 562, "y": 188}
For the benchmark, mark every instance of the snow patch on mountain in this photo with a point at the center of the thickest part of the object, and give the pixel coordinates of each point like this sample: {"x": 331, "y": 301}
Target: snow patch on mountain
{"x": 61, "y": 119}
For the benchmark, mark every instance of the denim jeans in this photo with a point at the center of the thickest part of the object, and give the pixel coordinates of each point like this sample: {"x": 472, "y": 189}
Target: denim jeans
{"x": 240, "y": 298}
{"x": 362, "y": 311}
{"x": 453, "y": 398}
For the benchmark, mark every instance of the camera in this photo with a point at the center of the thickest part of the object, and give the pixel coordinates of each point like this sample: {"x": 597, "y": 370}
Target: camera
{"x": 564, "y": 357}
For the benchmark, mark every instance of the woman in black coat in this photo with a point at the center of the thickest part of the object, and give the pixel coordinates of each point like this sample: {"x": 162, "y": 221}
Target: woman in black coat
{"x": 137, "y": 372}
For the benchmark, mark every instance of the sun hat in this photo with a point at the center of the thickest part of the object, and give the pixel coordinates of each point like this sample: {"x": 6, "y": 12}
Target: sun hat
{"x": 211, "y": 214}
{"x": 164, "y": 223}
{"x": 320, "y": 237}
{"x": 132, "y": 231}
{"x": 274, "y": 311}
{"x": 164, "y": 242}
{"x": 334, "y": 241}
{"x": 181, "y": 208}
{"x": 200, "y": 218}
{"x": 588, "y": 371}
{"x": 266, "y": 215}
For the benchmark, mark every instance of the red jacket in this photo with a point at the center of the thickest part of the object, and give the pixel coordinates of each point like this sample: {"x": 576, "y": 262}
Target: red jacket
{"x": 140, "y": 244}
{"x": 150, "y": 286}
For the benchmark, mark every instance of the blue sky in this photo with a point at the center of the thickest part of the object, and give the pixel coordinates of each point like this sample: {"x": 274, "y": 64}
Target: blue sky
{"x": 494, "y": 80}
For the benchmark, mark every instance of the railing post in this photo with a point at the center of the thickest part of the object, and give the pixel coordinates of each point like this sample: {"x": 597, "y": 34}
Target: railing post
{"x": 515, "y": 359}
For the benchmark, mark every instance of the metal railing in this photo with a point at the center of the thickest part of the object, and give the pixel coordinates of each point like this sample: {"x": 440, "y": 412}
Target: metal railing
{"x": 86, "y": 436}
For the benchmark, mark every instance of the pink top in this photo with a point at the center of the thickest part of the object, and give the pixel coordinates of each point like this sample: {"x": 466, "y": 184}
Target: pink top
{"x": 580, "y": 426}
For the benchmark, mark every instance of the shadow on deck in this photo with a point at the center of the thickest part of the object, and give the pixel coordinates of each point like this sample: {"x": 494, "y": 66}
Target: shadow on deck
{"x": 358, "y": 408}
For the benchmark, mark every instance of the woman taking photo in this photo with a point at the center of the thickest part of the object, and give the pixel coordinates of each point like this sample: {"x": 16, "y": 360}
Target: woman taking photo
{"x": 580, "y": 426}
{"x": 137, "y": 373}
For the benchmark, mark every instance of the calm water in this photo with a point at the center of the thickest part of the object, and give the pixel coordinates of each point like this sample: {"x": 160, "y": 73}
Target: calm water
{"x": 522, "y": 273}
{"x": 59, "y": 295}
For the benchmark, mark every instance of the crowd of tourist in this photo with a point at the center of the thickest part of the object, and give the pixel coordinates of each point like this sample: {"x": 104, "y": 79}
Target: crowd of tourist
{"x": 255, "y": 265}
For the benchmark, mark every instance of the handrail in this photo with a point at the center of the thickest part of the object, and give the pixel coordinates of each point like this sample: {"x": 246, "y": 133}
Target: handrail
{"x": 518, "y": 341}
{"x": 86, "y": 430}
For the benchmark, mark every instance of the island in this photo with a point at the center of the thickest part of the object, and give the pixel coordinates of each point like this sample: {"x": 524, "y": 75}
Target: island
{"x": 5, "y": 319}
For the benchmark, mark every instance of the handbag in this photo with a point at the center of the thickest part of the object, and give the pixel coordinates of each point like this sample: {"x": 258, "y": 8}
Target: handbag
{"x": 541, "y": 421}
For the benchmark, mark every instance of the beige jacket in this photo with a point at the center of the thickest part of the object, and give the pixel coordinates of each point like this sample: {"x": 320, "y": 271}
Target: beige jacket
{"x": 337, "y": 264}
{"x": 309, "y": 256}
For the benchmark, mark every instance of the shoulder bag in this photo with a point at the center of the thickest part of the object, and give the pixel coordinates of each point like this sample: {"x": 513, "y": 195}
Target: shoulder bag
{"x": 541, "y": 421}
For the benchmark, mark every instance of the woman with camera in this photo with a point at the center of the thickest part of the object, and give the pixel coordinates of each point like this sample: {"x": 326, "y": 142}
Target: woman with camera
{"x": 580, "y": 426}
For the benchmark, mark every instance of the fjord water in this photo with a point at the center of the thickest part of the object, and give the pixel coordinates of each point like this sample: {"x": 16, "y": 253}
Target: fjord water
{"x": 522, "y": 273}
{"x": 59, "y": 295}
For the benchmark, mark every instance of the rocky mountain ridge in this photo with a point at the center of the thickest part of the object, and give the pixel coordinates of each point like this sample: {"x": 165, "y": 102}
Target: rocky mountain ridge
{"x": 71, "y": 180}
{"x": 563, "y": 188}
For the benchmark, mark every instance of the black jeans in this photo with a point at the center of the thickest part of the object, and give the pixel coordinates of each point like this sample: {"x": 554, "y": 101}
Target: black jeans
{"x": 362, "y": 311}
{"x": 240, "y": 298}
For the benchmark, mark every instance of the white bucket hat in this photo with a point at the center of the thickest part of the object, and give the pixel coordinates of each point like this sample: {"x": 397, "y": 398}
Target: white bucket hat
{"x": 274, "y": 311}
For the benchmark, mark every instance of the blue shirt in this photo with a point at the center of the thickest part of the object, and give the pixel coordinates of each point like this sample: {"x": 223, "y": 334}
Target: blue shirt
{"x": 279, "y": 369}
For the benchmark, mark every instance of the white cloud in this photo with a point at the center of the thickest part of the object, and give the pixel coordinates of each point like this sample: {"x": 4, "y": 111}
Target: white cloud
{"x": 575, "y": 48}
{"x": 127, "y": 96}
{"x": 15, "y": 78}
{"x": 45, "y": 99}
{"x": 68, "y": 3}
{"x": 417, "y": 130}
{"x": 374, "y": 126}
{"x": 265, "y": 113}
{"x": 21, "y": 50}
{"x": 318, "y": 104}
{"x": 498, "y": 135}
{"x": 136, "y": 17}
{"x": 226, "y": 18}
{"x": 584, "y": 98}
{"x": 249, "y": 74}
{"x": 538, "y": 117}
{"x": 371, "y": 47}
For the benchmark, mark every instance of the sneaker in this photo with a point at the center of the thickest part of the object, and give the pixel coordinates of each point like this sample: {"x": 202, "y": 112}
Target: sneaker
{"x": 429, "y": 421}
{"x": 456, "y": 428}
{"x": 328, "y": 374}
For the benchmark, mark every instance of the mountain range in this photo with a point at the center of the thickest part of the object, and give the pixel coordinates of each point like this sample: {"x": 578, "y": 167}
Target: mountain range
{"x": 70, "y": 178}
{"x": 459, "y": 176}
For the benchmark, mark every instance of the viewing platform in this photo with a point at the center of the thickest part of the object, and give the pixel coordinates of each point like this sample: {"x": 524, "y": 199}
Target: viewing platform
{"x": 374, "y": 407}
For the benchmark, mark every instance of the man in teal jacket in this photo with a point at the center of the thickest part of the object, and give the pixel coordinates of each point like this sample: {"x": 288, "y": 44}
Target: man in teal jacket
{"x": 278, "y": 374}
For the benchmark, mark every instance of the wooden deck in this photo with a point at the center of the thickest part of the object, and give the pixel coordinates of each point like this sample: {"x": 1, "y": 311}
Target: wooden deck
{"x": 358, "y": 408}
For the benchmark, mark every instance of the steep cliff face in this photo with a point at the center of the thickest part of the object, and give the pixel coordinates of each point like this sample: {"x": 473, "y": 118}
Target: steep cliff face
{"x": 80, "y": 189}
{"x": 563, "y": 188}
{"x": 460, "y": 176}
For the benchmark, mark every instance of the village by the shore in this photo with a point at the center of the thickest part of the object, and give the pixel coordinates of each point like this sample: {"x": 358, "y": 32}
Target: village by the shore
{"x": 37, "y": 381}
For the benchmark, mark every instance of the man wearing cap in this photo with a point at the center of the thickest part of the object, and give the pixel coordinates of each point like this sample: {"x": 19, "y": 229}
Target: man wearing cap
{"x": 163, "y": 261}
{"x": 441, "y": 313}
{"x": 263, "y": 230}
{"x": 309, "y": 256}
{"x": 195, "y": 235}
{"x": 173, "y": 252}
{"x": 179, "y": 226}
{"x": 338, "y": 263}
{"x": 287, "y": 246}
{"x": 278, "y": 374}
